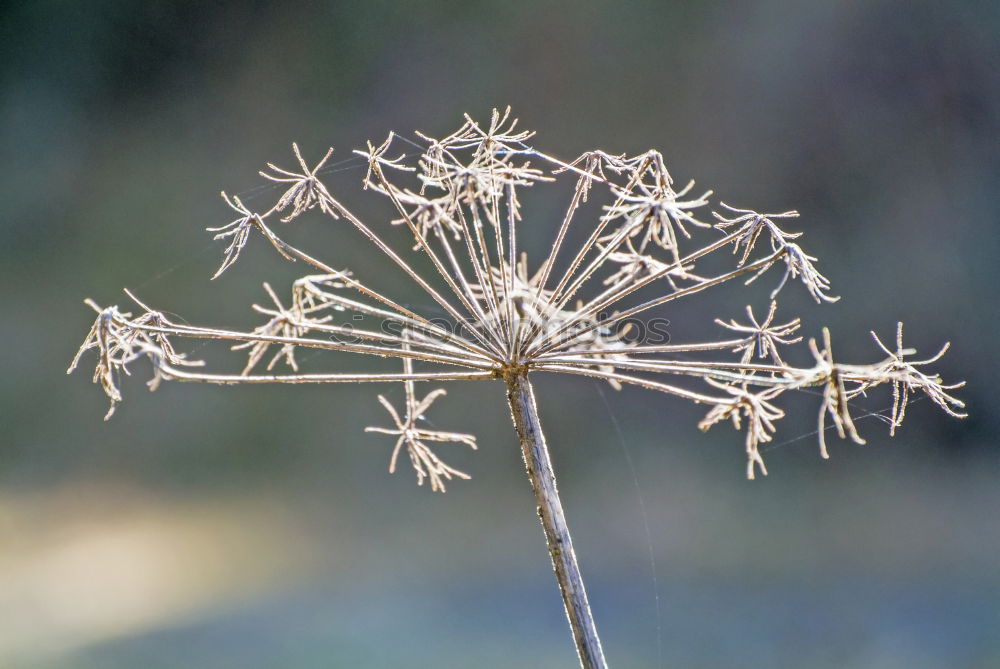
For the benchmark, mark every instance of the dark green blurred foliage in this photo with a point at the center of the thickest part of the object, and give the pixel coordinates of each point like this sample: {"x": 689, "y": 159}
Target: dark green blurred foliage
{"x": 879, "y": 121}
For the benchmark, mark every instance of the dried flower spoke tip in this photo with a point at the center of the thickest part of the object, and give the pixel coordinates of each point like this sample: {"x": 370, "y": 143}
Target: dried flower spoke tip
{"x": 905, "y": 377}
{"x": 590, "y": 166}
{"x": 239, "y": 231}
{"x": 502, "y": 132}
{"x": 763, "y": 338}
{"x": 750, "y": 225}
{"x": 306, "y": 190}
{"x": 375, "y": 155}
{"x": 759, "y": 413}
{"x": 635, "y": 265}
{"x": 120, "y": 339}
{"x": 655, "y": 214}
{"x": 291, "y": 323}
{"x": 426, "y": 463}
{"x": 800, "y": 264}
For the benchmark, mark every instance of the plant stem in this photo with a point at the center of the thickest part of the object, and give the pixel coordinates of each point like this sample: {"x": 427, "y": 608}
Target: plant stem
{"x": 543, "y": 482}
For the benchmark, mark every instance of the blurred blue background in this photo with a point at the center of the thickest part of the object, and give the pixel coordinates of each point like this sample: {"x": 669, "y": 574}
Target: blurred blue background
{"x": 257, "y": 527}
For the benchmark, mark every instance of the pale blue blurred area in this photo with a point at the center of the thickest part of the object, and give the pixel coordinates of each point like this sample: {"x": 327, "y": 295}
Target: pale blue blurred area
{"x": 257, "y": 527}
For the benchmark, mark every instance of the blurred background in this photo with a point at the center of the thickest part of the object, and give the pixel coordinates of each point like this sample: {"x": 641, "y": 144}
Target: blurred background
{"x": 258, "y": 527}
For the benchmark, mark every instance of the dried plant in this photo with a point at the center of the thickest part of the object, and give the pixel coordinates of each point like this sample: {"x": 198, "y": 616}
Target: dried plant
{"x": 462, "y": 209}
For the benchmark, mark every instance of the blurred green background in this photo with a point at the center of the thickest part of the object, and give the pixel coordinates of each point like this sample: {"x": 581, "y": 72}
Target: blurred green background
{"x": 257, "y": 527}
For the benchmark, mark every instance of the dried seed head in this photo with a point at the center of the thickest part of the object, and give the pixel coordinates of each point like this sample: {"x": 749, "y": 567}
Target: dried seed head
{"x": 571, "y": 315}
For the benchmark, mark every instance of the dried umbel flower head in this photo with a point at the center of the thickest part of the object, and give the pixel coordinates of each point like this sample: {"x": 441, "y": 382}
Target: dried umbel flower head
{"x": 510, "y": 317}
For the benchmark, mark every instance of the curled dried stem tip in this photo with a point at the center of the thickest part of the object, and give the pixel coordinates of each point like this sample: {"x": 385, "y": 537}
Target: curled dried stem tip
{"x": 836, "y": 396}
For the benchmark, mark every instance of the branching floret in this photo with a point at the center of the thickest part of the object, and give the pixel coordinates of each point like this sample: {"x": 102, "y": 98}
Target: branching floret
{"x": 289, "y": 324}
{"x": 425, "y": 462}
{"x": 760, "y": 415}
{"x": 239, "y": 232}
{"x": 120, "y": 339}
{"x": 656, "y": 213}
{"x": 904, "y": 377}
{"x": 306, "y": 190}
{"x": 764, "y": 338}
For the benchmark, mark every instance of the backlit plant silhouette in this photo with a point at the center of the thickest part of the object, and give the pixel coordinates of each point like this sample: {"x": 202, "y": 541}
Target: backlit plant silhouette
{"x": 509, "y": 318}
